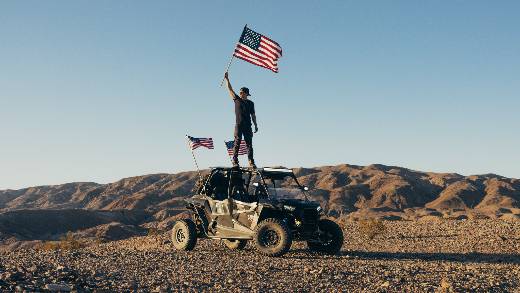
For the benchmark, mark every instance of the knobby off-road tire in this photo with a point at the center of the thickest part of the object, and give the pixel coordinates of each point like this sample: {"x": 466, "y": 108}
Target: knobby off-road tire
{"x": 330, "y": 239}
{"x": 272, "y": 237}
{"x": 237, "y": 244}
{"x": 184, "y": 235}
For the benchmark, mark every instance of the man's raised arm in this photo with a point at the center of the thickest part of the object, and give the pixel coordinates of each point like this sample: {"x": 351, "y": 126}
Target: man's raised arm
{"x": 230, "y": 88}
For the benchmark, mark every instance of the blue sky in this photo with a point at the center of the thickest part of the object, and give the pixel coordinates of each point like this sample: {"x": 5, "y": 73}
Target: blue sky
{"x": 101, "y": 90}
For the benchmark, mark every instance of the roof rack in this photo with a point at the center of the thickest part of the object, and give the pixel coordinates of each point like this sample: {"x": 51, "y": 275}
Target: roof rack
{"x": 264, "y": 169}
{"x": 271, "y": 169}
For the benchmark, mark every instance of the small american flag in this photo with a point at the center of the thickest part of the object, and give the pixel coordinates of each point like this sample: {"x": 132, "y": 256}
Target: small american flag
{"x": 196, "y": 142}
{"x": 241, "y": 151}
{"x": 258, "y": 49}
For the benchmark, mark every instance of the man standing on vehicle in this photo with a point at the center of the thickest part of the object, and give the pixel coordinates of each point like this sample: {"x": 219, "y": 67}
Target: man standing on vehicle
{"x": 244, "y": 112}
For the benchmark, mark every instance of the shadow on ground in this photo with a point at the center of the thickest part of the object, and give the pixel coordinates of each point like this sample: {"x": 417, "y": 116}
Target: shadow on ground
{"x": 491, "y": 258}
{"x": 476, "y": 257}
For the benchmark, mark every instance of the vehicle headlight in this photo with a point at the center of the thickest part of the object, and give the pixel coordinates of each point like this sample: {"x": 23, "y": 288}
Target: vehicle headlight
{"x": 289, "y": 208}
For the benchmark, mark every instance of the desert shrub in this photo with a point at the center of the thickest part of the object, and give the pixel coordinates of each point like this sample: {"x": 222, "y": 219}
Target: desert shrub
{"x": 50, "y": 245}
{"x": 153, "y": 232}
{"x": 67, "y": 242}
{"x": 342, "y": 220}
{"x": 99, "y": 239}
{"x": 371, "y": 227}
{"x": 445, "y": 286}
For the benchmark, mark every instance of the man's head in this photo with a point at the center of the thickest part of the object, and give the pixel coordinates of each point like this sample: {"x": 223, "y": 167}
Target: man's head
{"x": 244, "y": 93}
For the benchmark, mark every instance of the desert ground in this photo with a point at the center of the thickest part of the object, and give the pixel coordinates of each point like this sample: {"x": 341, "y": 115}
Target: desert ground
{"x": 440, "y": 232}
{"x": 427, "y": 255}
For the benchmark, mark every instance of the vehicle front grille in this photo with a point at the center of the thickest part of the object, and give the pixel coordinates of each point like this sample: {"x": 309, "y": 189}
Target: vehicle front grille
{"x": 310, "y": 216}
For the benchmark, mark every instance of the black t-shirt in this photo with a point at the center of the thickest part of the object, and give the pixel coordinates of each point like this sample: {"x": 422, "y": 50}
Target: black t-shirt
{"x": 243, "y": 111}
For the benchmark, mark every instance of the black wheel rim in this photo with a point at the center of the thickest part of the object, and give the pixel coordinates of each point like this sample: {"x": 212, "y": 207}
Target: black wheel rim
{"x": 326, "y": 238}
{"x": 270, "y": 238}
{"x": 180, "y": 236}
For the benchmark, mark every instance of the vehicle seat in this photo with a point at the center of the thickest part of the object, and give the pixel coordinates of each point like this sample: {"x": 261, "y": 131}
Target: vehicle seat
{"x": 219, "y": 185}
{"x": 260, "y": 191}
{"x": 238, "y": 188}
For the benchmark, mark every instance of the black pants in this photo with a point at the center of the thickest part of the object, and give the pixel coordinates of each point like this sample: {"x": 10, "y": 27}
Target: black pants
{"x": 247, "y": 133}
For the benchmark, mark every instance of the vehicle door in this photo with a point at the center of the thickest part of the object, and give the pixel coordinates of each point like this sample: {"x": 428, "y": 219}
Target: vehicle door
{"x": 220, "y": 212}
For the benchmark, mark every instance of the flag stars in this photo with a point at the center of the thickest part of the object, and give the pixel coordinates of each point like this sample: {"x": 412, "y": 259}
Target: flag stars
{"x": 250, "y": 38}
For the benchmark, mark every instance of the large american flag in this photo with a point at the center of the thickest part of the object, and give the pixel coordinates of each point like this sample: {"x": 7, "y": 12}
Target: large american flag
{"x": 241, "y": 151}
{"x": 196, "y": 142}
{"x": 258, "y": 49}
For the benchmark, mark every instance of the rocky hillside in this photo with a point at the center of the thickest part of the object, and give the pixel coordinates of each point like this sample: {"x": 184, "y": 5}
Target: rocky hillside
{"x": 341, "y": 189}
{"x": 134, "y": 205}
{"x": 379, "y": 189}
{"x": 148, "y": 192}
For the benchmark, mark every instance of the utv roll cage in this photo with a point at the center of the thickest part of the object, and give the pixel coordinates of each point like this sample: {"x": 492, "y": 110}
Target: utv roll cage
{"x": 237, "y": 183}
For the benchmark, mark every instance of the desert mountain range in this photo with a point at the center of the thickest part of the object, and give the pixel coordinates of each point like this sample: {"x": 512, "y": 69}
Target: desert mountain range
{"x": 349, "y": 190}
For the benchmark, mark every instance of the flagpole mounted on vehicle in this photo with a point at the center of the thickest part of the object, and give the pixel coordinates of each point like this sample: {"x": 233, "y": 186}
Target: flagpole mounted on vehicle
{"x": 193, "y": 155}
{"x": 230, "y": 157}
{"x": 231, "y": 59}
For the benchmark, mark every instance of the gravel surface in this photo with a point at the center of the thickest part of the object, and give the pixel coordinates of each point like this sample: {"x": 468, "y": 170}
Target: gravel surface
{"x": 420, "y": 256}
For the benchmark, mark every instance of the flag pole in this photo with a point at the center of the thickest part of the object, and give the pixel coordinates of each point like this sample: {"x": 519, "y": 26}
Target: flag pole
{"x": 193, "y": 155}
{"x": 231, "y": 60}
{"x": 230, "y": 158}
{"x": 227, "y": 68}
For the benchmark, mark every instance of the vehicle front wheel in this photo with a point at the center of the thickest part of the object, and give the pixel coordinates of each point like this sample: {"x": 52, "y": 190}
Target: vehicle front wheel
{"x": 272, "y": 237}
{"x": 237, "y": 244}
{"x": 184, "y": 235}
{"x": 330, "y": 238}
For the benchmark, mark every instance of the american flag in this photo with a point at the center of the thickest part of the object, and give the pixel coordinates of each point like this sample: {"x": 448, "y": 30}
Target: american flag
{"x": 196, "y": 142}
{"x": 241, "y": 151}
{"x": 258, "y": 49}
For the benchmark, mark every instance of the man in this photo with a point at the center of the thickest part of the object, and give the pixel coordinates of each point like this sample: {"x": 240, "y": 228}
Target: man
{"x": 244, "y": 112}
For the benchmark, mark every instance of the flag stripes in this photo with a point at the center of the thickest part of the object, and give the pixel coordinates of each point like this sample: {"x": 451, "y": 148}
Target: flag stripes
{"x": 196, "y": 142}
{"x": 231, "y": 144}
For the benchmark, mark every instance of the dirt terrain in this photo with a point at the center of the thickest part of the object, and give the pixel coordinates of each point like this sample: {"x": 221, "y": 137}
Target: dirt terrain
{"x": 428, "y": 255}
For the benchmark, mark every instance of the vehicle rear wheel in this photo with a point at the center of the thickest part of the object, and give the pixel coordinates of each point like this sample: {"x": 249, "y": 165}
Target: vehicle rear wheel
{"x": 272, "y": 237}
{"x": 236, "y": 244}
{"x": 184, "y": 235}
{"x": 330, "y": 238}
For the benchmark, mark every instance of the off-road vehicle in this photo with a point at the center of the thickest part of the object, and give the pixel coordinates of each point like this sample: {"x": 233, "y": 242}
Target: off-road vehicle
{"x": 267, "y": 206}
